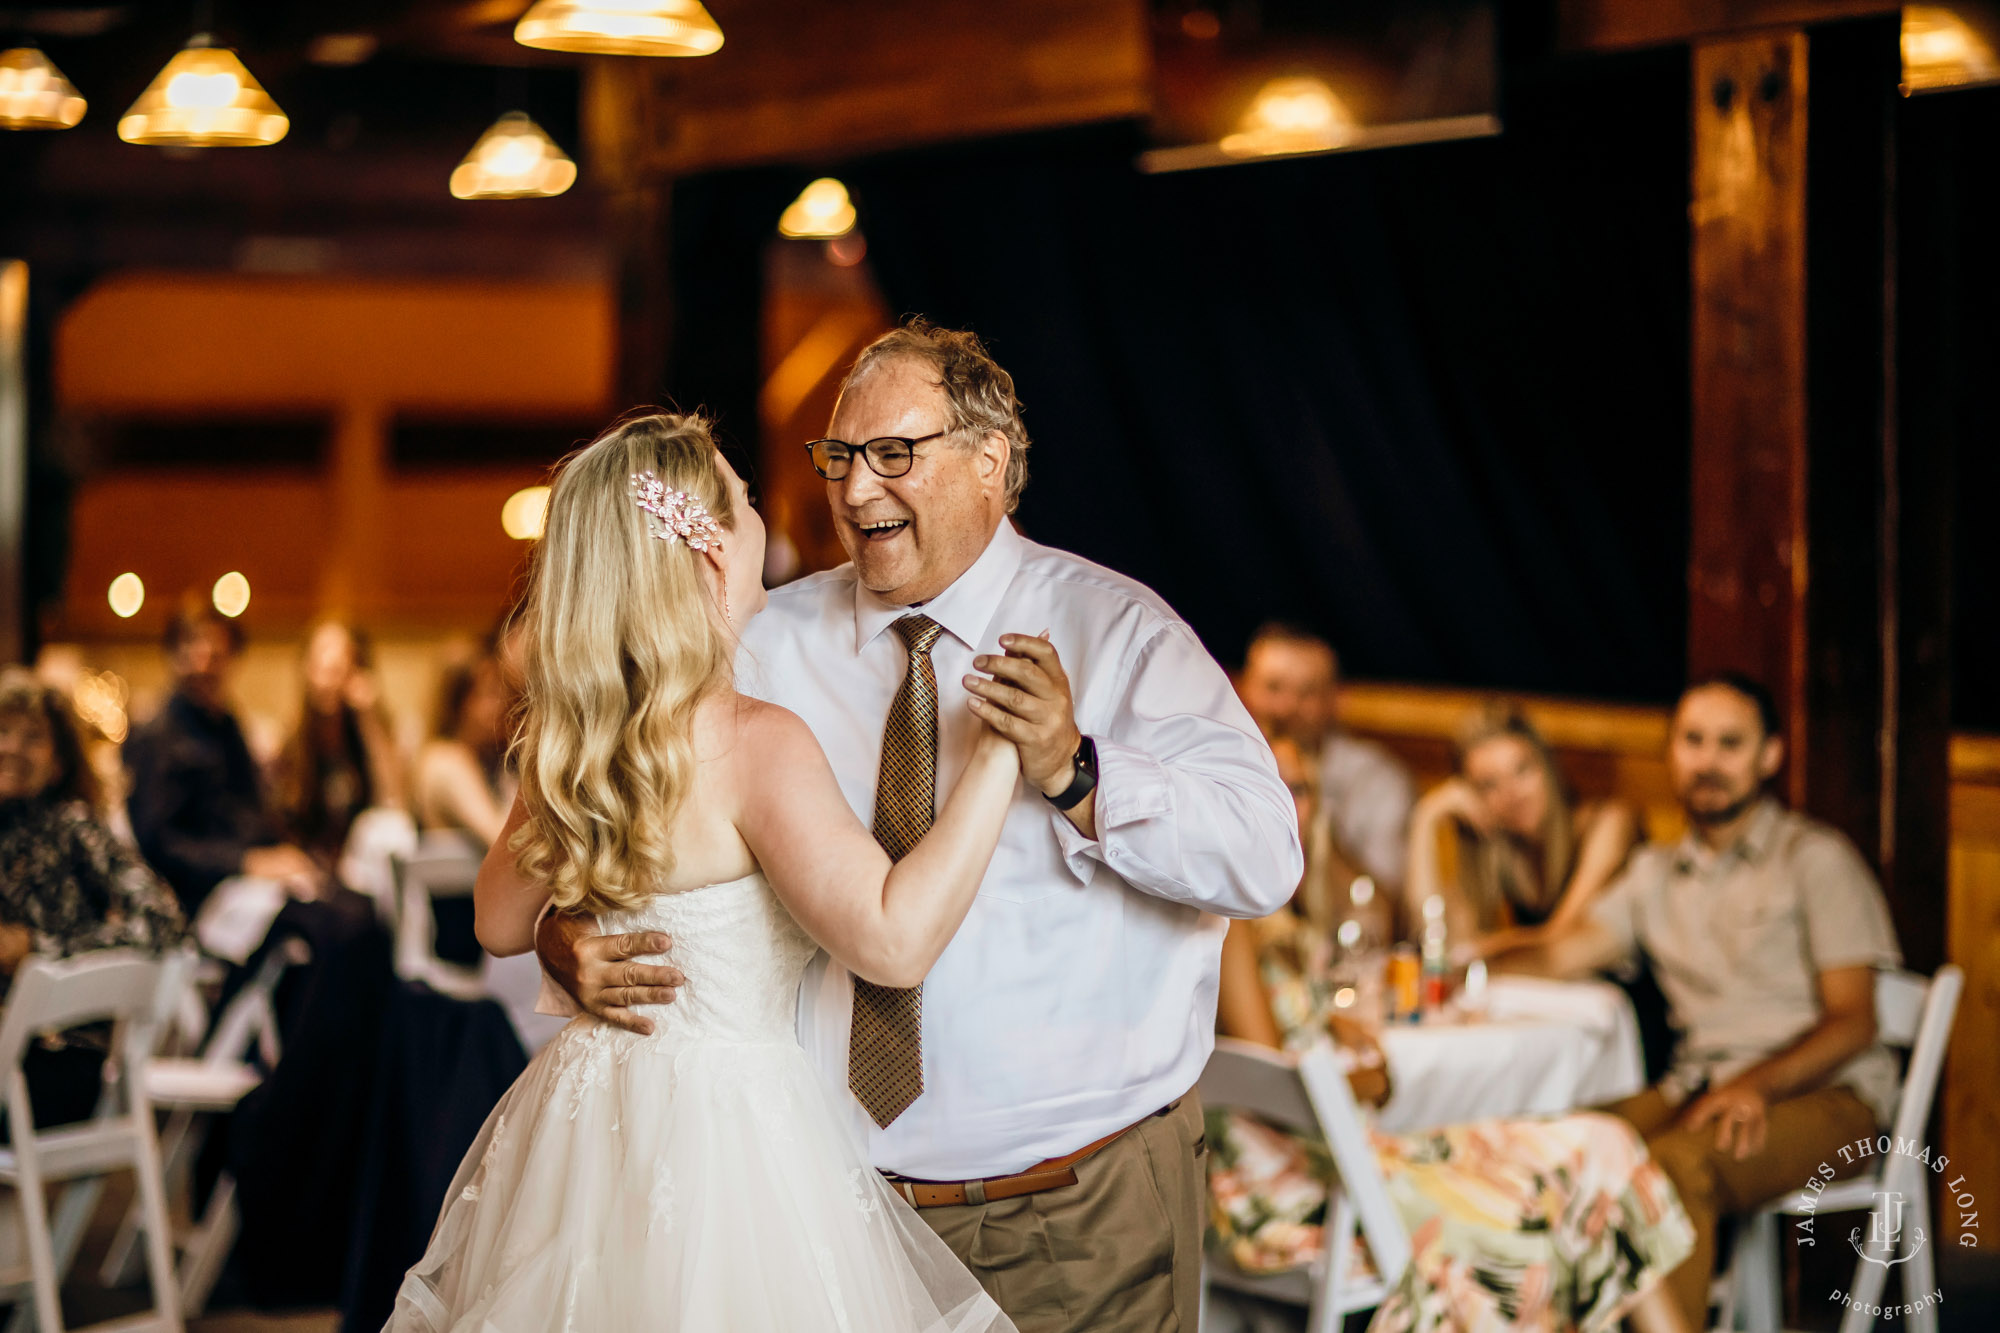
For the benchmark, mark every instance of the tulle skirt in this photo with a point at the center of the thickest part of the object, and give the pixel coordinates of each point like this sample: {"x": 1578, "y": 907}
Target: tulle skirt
{"x": 624, "y": 1183}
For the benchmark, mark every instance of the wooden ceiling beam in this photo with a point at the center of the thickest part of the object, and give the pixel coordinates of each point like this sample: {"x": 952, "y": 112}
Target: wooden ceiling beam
{"x": 1619, "y": 25}
{"x": 803, "y": 81}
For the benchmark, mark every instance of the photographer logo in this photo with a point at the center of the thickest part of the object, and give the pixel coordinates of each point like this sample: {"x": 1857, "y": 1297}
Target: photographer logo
{"x": 1894, "y": 1233}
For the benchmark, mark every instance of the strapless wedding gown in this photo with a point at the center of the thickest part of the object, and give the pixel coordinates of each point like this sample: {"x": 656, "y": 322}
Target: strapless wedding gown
{"x": 695, "y": 1179}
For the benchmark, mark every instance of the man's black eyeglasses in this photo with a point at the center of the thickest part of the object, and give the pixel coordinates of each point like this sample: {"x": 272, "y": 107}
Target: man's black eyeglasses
{"x": 889, "y": 456}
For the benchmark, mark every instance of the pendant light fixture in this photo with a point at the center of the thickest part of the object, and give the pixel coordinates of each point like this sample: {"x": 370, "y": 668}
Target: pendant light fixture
{"x": 620, "y": 27}
{"x": 514, "y": 159}
{"x": 34, "y": 95}
{"x": 204, "y": 98}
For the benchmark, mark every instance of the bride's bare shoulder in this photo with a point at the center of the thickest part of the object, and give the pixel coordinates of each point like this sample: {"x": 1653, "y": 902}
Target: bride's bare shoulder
{"x": 752, "y": 731}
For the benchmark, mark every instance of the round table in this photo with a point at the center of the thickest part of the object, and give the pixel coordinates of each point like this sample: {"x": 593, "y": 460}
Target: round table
{"x": 1542, "y": 1046}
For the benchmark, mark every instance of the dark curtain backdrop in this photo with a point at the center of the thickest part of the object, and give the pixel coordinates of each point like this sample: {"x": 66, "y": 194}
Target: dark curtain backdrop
{"x": 1431, "y": 400}
{"x": 1949, "y": 288}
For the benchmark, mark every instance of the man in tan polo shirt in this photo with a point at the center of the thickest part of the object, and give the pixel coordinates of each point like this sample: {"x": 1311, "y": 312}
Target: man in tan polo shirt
{"x": 1765, "y": 928}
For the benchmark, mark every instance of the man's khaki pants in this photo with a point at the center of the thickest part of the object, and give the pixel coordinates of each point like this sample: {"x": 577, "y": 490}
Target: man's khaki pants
{"x": 1803, "y": 1132}
{"x": 1117, "y": 1252}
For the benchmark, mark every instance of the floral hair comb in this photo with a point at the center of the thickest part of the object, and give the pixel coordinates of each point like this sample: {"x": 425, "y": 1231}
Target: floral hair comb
{"x": 673, "y": 515}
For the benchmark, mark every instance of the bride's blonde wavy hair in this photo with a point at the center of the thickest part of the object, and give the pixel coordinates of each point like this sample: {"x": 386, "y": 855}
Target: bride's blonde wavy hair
{"x": 622, "y": 644}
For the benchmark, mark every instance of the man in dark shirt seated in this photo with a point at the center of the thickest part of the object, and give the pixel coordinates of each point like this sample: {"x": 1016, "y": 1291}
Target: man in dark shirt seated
{"x": 197, "y": 806}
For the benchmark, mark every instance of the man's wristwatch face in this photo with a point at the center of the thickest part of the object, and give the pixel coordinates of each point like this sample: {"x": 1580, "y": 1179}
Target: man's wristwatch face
{"x": 1084, "y": 777}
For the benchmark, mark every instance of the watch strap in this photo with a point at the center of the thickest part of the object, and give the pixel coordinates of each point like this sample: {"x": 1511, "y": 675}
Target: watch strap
{"x": 1085, "y": 780}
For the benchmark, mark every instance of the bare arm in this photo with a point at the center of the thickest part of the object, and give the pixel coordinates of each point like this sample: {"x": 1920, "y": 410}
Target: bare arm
{"x": 886, "y": 923}
{"x": 505, "y": 904}
{"x": 1243, "y": 1010}
{"x": 597, "y": 971}
{"x": 1607, "y": 845}
{"x": 1739, "y": 1108}
{"x": 451, "y": 788}
{"x": 1441, "y": 810}
{"x": 1576, "y": 951}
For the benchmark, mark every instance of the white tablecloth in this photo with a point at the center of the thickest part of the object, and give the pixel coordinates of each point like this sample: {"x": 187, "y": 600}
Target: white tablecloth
{"x": 1543, "y": 1046}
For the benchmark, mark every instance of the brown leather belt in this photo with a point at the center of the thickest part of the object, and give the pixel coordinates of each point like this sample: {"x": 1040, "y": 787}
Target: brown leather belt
{"x": 1055, "y": 1173}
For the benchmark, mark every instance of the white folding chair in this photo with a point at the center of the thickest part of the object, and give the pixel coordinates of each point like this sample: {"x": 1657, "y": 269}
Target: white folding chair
{"x": 193, "y": 1090}
{"x": 1310, "y": 1095}
{"x": 138, "y": 994}
{"x": 445, "y": 865}
{"x": 1910, "y": 1012}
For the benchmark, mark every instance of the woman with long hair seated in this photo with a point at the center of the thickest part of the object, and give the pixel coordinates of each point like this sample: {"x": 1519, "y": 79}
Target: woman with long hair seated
{"x": 342, "y": 759}
{"x": 461, "y": 779}
{"x": 67, "y": 885}
{"x": 1537, "y": 1225}
{"x": 1529, "y": 855}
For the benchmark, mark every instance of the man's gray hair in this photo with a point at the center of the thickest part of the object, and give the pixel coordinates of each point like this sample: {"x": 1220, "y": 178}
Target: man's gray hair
{"x": 977, "y": 392}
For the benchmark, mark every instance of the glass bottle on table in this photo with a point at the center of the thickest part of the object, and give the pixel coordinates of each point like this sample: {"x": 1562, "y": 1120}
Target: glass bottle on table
{"x": 1436, "y": 966}
{"x": 1359, "y": 954}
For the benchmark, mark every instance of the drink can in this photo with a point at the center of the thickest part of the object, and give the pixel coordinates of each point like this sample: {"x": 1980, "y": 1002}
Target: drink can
{"x": 1436, "y": 991}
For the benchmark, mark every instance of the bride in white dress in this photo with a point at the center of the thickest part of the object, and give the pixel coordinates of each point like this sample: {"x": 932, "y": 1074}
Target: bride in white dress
{"x": 696, "y": 1177}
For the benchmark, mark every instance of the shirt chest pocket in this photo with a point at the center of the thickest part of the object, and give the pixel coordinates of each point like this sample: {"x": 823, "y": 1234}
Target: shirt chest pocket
{"x": 1028, "y": 864}
{"x": 1762, "y": 932}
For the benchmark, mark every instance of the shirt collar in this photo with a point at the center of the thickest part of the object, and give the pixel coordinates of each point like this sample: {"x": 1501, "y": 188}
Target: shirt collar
{"x": 1749, "y": 847}
{"x": 964, "y": 609}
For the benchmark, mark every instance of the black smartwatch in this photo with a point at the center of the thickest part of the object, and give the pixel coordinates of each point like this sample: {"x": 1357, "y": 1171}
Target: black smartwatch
{"x": 1085, "y": 781}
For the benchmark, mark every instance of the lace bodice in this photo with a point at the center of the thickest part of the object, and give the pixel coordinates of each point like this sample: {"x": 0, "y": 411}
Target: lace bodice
{"x": 742, "y": 955}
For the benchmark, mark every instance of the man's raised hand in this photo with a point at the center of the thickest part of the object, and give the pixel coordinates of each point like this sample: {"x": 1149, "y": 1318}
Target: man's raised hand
{"x": 1028, "y": 702}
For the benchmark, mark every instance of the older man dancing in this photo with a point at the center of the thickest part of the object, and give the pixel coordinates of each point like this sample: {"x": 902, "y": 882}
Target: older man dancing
{"x": 1034, "y": 1098}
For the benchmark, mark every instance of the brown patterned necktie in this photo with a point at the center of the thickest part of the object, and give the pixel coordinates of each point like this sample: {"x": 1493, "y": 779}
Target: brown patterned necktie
{"x": 885, "y": 1065}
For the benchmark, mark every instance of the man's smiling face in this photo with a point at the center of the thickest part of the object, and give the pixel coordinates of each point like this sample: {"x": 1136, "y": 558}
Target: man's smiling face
{"x": 910, "y": 537}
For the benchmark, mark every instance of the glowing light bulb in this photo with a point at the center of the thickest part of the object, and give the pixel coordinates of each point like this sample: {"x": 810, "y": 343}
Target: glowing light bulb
{"x": 209, "y": 92}
{"x": 822, "y": 210}
{"x": 1292, "y": 115}
{"x": 525, "y": 513}
{"x": 127, "y": 595}
{"x": 232, "y": 594}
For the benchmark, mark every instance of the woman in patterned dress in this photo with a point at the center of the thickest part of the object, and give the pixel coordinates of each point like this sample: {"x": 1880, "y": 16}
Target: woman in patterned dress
{"x": 66, "y": 884}
{"x": 1526, "y": 1225}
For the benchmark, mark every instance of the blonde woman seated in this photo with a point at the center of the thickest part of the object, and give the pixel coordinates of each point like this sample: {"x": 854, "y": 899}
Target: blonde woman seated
{"x": 1535, "y": 1225}
{"x": 462, "y": 783}
{"x": 1528, "y": 856}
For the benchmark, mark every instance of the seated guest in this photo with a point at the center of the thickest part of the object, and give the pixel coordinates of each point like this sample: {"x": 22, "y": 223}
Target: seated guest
{"x": 461, "y": 771}
{"x": 1536, "y": 1224}
{"x": 1331, "y": 895}
{"x": 197, "y": 808}
{"x": 66, "y": 884}
{"x": 1290, "y": 683}
{"x": 342, "y": 759}
{"x": 1528, "y": 855}
{"x": 1766, "y": 928}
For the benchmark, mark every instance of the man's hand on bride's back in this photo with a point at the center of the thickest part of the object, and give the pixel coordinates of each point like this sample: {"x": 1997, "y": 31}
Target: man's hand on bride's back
{"x": 601, "y": 973}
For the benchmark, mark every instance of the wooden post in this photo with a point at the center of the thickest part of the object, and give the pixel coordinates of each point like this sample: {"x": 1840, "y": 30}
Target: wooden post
{"x": 352, "y": 582}
{"x": 1747, "y": 558}
{"x": 1815, "y": 561}
{"x": 616, "y": 108}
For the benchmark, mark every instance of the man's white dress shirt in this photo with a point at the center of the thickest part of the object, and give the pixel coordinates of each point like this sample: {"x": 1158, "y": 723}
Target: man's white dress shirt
{"x": 1079, "y": 995}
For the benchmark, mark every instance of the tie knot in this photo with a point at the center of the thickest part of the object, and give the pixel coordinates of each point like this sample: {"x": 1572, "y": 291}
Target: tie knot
{"x": 918, "y": 633}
